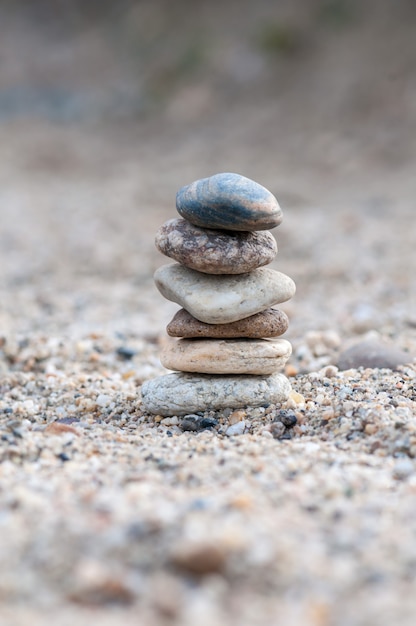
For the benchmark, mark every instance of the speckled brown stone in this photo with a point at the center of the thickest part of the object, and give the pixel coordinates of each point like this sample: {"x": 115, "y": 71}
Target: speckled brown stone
{"x": 215, "y": 251}
{"x": 268, "y": 323}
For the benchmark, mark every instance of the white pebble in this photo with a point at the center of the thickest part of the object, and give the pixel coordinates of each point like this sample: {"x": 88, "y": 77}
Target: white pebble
{"x": 236, "y": 429}
{"x": 29, "y": 406}
{"x": 403, "y": 468}
{"x": 103, "y": 400}
{"x": 170, "y": 421}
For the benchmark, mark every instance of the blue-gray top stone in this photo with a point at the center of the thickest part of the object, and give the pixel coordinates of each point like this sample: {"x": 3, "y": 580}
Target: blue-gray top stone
{"x": 230, "y": 202}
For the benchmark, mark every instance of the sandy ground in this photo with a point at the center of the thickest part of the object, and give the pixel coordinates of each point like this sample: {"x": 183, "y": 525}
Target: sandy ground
{"x": 109, "y": 514}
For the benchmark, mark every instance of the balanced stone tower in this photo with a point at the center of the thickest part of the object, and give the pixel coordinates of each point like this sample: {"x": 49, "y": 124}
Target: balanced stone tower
{"x": 226, "y": 350}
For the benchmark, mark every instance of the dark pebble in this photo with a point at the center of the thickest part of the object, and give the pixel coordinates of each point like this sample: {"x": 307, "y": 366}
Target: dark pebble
{"x": 208, "y": 422}
{"x": 126, "y": 353}
{"x": 67, "y": 420}
{"x": 63, "y": 457}
{"x": 190, "y": 423}
{"x": 194, "y": 423}
{"x": 288, "y": 418}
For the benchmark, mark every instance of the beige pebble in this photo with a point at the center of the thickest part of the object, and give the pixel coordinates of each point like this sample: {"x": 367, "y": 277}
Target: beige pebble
{"x": 237, "y": 416}
{"x": 228, "y": 356}
{"x": 199, "y": 558}
{"x": 291, "y": 370}
{"x": 170, "y": 421}
{"x": 328, "y": 414}
{"x": 296, "y": 397}
{"x": 57, "y": 428}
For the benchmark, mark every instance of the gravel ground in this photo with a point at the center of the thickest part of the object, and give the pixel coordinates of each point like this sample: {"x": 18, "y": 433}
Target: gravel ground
{"x": 300, "y": 514}
{"x": 294, "y": 514}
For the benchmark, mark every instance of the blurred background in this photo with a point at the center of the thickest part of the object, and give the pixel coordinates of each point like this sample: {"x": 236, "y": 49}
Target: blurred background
{"x": 107, "y": 108}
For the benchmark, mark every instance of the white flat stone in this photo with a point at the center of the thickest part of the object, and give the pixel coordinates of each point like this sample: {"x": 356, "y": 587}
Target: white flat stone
{"x": 180, "y": 394}
{"x": 222, "y": 299}
{"x": 226, "y": 356}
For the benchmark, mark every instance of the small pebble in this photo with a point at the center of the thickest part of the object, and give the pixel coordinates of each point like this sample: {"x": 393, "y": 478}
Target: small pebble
{"x": 126, "y": 353}
{"x": 197, "y": 422}
{"x": 199, "y": 558}
{"x": 277, "y": 430}
{"x": 103, "y": 400}
{"x": 403, "y": 468}
{"x": 237, "y": 416}
{"x": 288, "y": 418}
{"x": 57, "y": 428}
{"x": 236, "y": 429}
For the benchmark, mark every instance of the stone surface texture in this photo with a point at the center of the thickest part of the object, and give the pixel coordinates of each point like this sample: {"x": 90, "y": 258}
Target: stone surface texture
{"x": 268, "y": 323}
{"x": 227, "y": 356}
{"x": 180, "y": 393}
{"x": 215, "y": 251}
{"x": 223, "y": 299}
{"x": 228, "y": 201}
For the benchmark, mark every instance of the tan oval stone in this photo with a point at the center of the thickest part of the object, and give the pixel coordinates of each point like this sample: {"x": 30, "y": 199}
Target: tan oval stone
{"x": 268, "y": 323}
{"x": 215, "y": 251}
{"x": 223, "y": 299}
{"x": 227, "y": 356}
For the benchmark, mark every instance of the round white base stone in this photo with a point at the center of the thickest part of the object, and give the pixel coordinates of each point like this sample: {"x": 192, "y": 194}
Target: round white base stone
{"x": 180, "y": 393}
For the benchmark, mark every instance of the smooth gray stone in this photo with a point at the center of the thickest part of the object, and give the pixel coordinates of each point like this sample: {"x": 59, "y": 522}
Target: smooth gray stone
{"x": 373, "y": 354}
{"x": 180, "y": 394}
{"x": 228, "y": 201}
{"x": 215, "y": 251}
{"x": 223, "y": 299}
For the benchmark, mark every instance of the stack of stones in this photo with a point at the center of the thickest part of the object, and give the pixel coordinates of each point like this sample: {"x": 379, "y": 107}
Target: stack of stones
{"x": 227, "y": 354}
